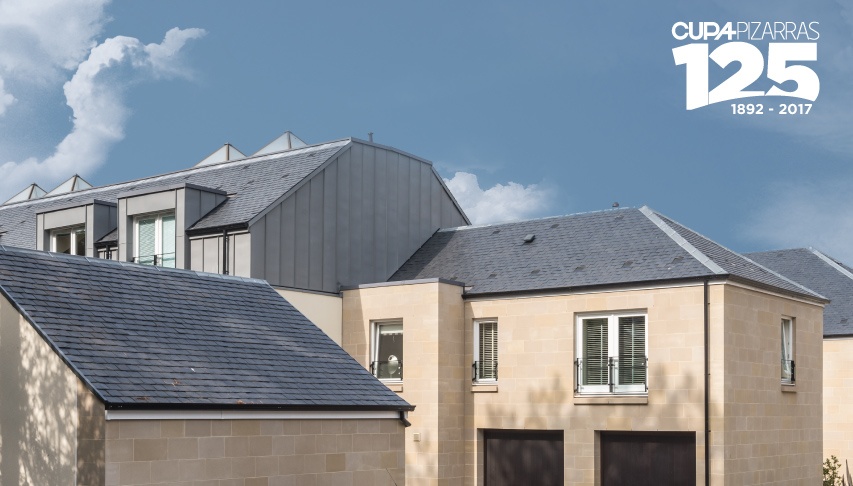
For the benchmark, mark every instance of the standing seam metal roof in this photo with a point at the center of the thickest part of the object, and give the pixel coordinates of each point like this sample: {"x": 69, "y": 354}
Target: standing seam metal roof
{"x": 152, "y": 337}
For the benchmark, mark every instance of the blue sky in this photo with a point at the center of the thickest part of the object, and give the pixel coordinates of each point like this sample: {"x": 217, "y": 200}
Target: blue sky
{"x": 562, "y": 108}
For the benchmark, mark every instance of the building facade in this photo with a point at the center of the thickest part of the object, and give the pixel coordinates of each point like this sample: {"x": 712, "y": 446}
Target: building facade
{"x": 543, "y": 360}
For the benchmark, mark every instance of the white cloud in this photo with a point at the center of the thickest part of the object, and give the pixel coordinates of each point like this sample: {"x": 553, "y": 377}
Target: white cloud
{"x": 41, "y": 40}
{"x": 500, "y": 203}
{"x": 6, "y": 99}
{"x": 95, "y": 94}
{"x": 805, "y": 214}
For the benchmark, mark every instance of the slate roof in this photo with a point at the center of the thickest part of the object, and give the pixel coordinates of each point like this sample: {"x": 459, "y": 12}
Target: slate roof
{"x": 150, "y": 337}
{"x": 610, "y": 247}
{"x": 823, "y": 273}
{"x": 253, "y": 184}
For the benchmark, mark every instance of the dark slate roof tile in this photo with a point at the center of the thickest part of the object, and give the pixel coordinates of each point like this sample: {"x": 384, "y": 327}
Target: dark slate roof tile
{"x": 272, "y": 176}
{"x": 590, "y": 249}
{"x": 806, "y": 267}
{"x": 132, "y": 331}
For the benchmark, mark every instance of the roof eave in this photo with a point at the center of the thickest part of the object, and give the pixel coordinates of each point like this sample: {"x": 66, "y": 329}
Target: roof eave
{"x": 258, "y": 407}
{"x": 595, "y": 287}
{"x": 217, "y": 229}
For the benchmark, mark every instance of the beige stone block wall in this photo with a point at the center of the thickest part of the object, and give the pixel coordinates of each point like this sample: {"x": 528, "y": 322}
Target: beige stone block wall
{"x": 38, "y": 407}
{"x": 323, "y": 310}
{"x": 772, "y": 436}
{"x": 838, "y": 399}
{"x": 255, "y": 452}
{"x": 535, "y": 390}
{"x": 91, "y": 434}
{"x": 434, "y": 369}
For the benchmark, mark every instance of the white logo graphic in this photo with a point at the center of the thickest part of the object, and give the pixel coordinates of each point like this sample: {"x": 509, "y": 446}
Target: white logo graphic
{"x": 785, "y": 53}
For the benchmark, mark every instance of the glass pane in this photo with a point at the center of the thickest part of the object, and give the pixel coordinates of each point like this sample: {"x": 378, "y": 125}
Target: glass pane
{"x": 80, "y": 243}
{"x": 488, "y": 352}
{"x": 62, "y": 243}
{"x": 787, "y": 351}
{"x": 145, "y": 242}
{"x": 632, "y": 350}
{"x": 168, "y": 243}
{"x": 389, "y": 356}
{"x": 595, "y": 351}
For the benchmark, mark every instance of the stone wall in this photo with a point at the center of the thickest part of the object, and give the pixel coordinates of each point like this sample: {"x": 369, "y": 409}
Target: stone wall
{"x": 365, "y": 452}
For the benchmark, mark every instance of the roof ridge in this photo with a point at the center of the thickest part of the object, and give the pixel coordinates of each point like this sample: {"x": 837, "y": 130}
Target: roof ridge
{"x": 831, "y": 262}
{"x": 194, "y": 169}
{"x": 682, "y": 242}
{"x": 149, "y": 268}
{"x": 543, "y": 218}
{"x": 750, "y": 260}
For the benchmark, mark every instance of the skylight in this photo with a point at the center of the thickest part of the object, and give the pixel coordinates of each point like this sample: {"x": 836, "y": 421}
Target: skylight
{"x": 75, "y": 183}
{"x": 33, "y": 191}
{"x": 287, "y": 141}
{"x": 225, "y": 153}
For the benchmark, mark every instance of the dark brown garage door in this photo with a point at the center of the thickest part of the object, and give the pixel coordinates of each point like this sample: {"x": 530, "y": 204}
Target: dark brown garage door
{"x": 523, "y": 457}
{"x": 640, "y": 459}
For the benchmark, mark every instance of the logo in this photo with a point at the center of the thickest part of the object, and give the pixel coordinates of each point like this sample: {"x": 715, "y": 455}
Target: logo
{"x": 785, "y": 46}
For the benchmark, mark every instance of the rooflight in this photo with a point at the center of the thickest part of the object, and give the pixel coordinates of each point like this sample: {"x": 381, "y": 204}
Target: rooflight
{"x": 224, "y": 153}
{"x": 75, "y": 183}
{"x": 33, "y": 191}
{"x": 529, "y": 238}
{"x": 287, "y": 141}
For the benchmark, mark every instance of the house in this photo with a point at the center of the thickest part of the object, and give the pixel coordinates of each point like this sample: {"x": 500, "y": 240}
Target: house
{"x": 582, "y": 349}
{"x": 114, "y": 373}
{"x": 833, "y": 279}
{"x": 306, "y": 218}
{"x": 592, "y": 348}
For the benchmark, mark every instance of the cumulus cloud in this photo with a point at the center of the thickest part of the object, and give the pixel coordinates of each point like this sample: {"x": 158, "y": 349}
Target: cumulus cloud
{"x": 805, "y": 214}
{"x": 95, "y": 95}
{"x": 41, "y": 40}
{"x": 499, "y": 203}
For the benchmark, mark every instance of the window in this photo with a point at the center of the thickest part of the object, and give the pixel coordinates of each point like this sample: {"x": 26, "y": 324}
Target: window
{"x": 611, "y": 355}
{"x": 788, "y": 366}
{"x": 485, "y": 366}
{"x": 387, "y": 362}
{"x": 69, "y": 240}
{"x": 155, "y": 240}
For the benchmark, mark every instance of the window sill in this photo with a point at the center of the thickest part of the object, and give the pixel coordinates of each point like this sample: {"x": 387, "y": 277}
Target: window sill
{"x": 394, "y": 386}
{"x": 611, "y": 399}
{"x": 789, "y": 387}
{"x": 484, "y": 388}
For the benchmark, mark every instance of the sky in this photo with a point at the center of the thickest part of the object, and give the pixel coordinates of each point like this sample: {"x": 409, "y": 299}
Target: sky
{"x": 526, "y": 111}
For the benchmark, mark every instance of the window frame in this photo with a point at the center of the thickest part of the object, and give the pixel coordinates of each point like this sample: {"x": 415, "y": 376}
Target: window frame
{"x": 475, "y": 369}
{"x": 613, "y": 387}
{"x": 374, "y": 348}
{"x": 158, "y": 236}
{"x": 72, "y": 231}
{"x": 788, "y": 353}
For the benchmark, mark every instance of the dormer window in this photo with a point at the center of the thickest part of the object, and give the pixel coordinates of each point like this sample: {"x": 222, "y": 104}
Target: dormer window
{"x": 69, "y": 240}
{"x": 155, "y": 239}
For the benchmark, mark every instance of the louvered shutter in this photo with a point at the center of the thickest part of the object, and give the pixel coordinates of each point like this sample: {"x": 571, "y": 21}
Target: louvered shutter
{"x": 595, "y": 351}
{"x": 146, "y": 241}
{"x": 632, "y": 350}
{"x": 488, "y": 352}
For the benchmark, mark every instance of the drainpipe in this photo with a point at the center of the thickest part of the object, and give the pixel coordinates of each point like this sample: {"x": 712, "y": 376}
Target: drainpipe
{"x": 404, "y": 420}
{"x": 225, "y": 252}
{"x": 706, "y": 304}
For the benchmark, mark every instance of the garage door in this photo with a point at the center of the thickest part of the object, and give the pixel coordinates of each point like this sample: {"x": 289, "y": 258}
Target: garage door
{"x": 523, "y": 457}
{"x": 640, "y": 459}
